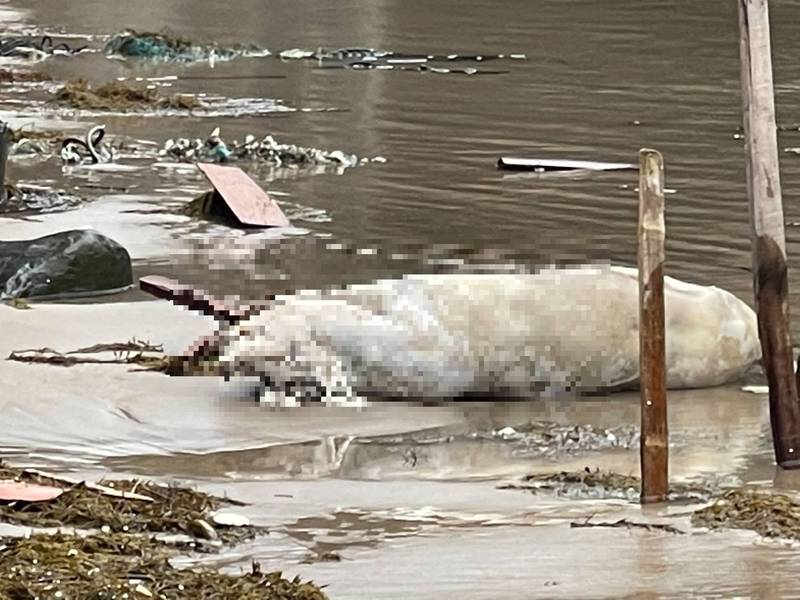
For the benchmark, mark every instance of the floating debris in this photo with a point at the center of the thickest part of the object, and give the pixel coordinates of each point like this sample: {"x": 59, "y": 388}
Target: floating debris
{"x": 167, "y": 47}
{"x": 539, "y": 165}
{"x": 117, "y": 96}
{"x": 600, "y": 485}
{"x": 548, "y": 439}
{"x": 22, "y": 198}
{"x": 238, "y": 199}
{"x": 371, "y": 58}
{"x": 769, "y": 514}
{"x": 135, "y": 352}
{"x": 266, "y": 149}
{"x": 35, "y": 47}
{"x": 91, "y": 150}
{"x": 625, "y": 523}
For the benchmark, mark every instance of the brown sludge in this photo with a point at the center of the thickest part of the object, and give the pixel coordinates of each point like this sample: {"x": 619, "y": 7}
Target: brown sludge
{"x": 118, "y": 96}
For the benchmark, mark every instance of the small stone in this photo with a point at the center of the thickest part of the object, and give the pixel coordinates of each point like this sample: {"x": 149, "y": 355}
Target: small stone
{"x": 141, "y": 590}
{"x": 201, "y": 529}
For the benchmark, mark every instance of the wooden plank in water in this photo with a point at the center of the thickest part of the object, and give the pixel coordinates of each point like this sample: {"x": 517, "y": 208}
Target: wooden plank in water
{"x": 249, "y": 203}
{"x": 198, "y": 300}
{"x": 544, "y": 165}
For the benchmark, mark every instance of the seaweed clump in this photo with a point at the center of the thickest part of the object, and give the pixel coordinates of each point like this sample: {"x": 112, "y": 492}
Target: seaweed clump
{"x": 118, "y": 96}
{"x": 118, "y": 553}
{"x": 124, "y": 566}
{"x": 769, "y": 514}
{"x": 600, "y": 485}
{"x": 144, "y": 507}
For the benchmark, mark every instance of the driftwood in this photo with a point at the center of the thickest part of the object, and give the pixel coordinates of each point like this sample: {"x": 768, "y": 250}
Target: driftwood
{"x": 625, "y": 523}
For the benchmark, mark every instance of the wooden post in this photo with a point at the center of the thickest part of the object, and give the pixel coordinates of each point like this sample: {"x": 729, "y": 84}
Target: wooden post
{"x": 5, "y": 138}
{"x": 654, "y": 445}
{"x": 770, "y": 280}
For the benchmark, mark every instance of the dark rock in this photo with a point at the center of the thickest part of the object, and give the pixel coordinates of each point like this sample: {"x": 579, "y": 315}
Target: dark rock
{"x": 65, "y": 264}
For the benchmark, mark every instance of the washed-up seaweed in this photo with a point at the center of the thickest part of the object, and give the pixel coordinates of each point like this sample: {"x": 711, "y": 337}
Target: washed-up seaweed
{"x": 134, "y": 352}
{"x": 124, "y": 556}
{"x": 770, "y": 514}
{"x": 121, "y": 551}
{"x": 150, "y": 507}
{"x": 167, "y": 47}
{"x": 266, "y": 150}
{"x": 117, "y": 566}
{"x": 117, "y": 96}
{"x": 589, "y": 484}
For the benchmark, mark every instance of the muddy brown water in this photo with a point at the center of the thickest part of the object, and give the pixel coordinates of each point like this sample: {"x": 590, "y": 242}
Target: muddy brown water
{"x": 601, "y": 81}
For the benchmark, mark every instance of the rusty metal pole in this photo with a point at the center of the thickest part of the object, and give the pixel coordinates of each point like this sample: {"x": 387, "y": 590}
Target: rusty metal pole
{"x": 654, "y": 439}
{"x": 770, "y": 278}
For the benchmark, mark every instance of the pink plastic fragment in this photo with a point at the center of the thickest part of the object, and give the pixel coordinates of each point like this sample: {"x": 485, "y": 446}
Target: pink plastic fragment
{"x": 14, "y": 491}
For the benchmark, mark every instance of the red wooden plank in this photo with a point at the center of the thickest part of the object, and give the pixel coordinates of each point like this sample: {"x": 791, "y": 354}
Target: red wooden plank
{"x": 248, "y": 202}
{"x": 186, "y": 295}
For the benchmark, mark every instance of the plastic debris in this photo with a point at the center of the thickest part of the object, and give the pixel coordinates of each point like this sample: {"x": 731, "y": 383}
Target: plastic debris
{"x": 13, "y": 491}
{"x": 35, "y": 48}
{"x": 166, "y": 47}
{"x": 544, "y": 165}
{"x": 90, "y": 150}
{"x": 756, "y": 389}
{"x": 372, "y": 58}
{"x": 228, "y": 519}
{"x": 267, "y": 149}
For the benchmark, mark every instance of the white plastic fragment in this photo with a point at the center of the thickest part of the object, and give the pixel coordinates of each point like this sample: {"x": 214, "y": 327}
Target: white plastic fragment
{"x": 507, "y": 432}
{"x": 756, "y": 389}
{"x": 228, "y": 519}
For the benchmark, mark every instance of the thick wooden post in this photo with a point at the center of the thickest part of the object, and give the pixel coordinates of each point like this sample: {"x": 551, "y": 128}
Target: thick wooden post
{"x": 654, "y": 444}
{"x": 770, "y": 280}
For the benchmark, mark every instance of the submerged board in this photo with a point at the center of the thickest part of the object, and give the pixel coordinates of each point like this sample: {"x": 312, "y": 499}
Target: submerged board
{"x": 544, "y": 165}
{"x": 249, "y": 203}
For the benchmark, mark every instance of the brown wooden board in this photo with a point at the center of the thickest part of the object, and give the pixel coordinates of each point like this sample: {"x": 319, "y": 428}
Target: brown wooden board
{"x": 185, "y": 295}
{"x": 249, "y": 203}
